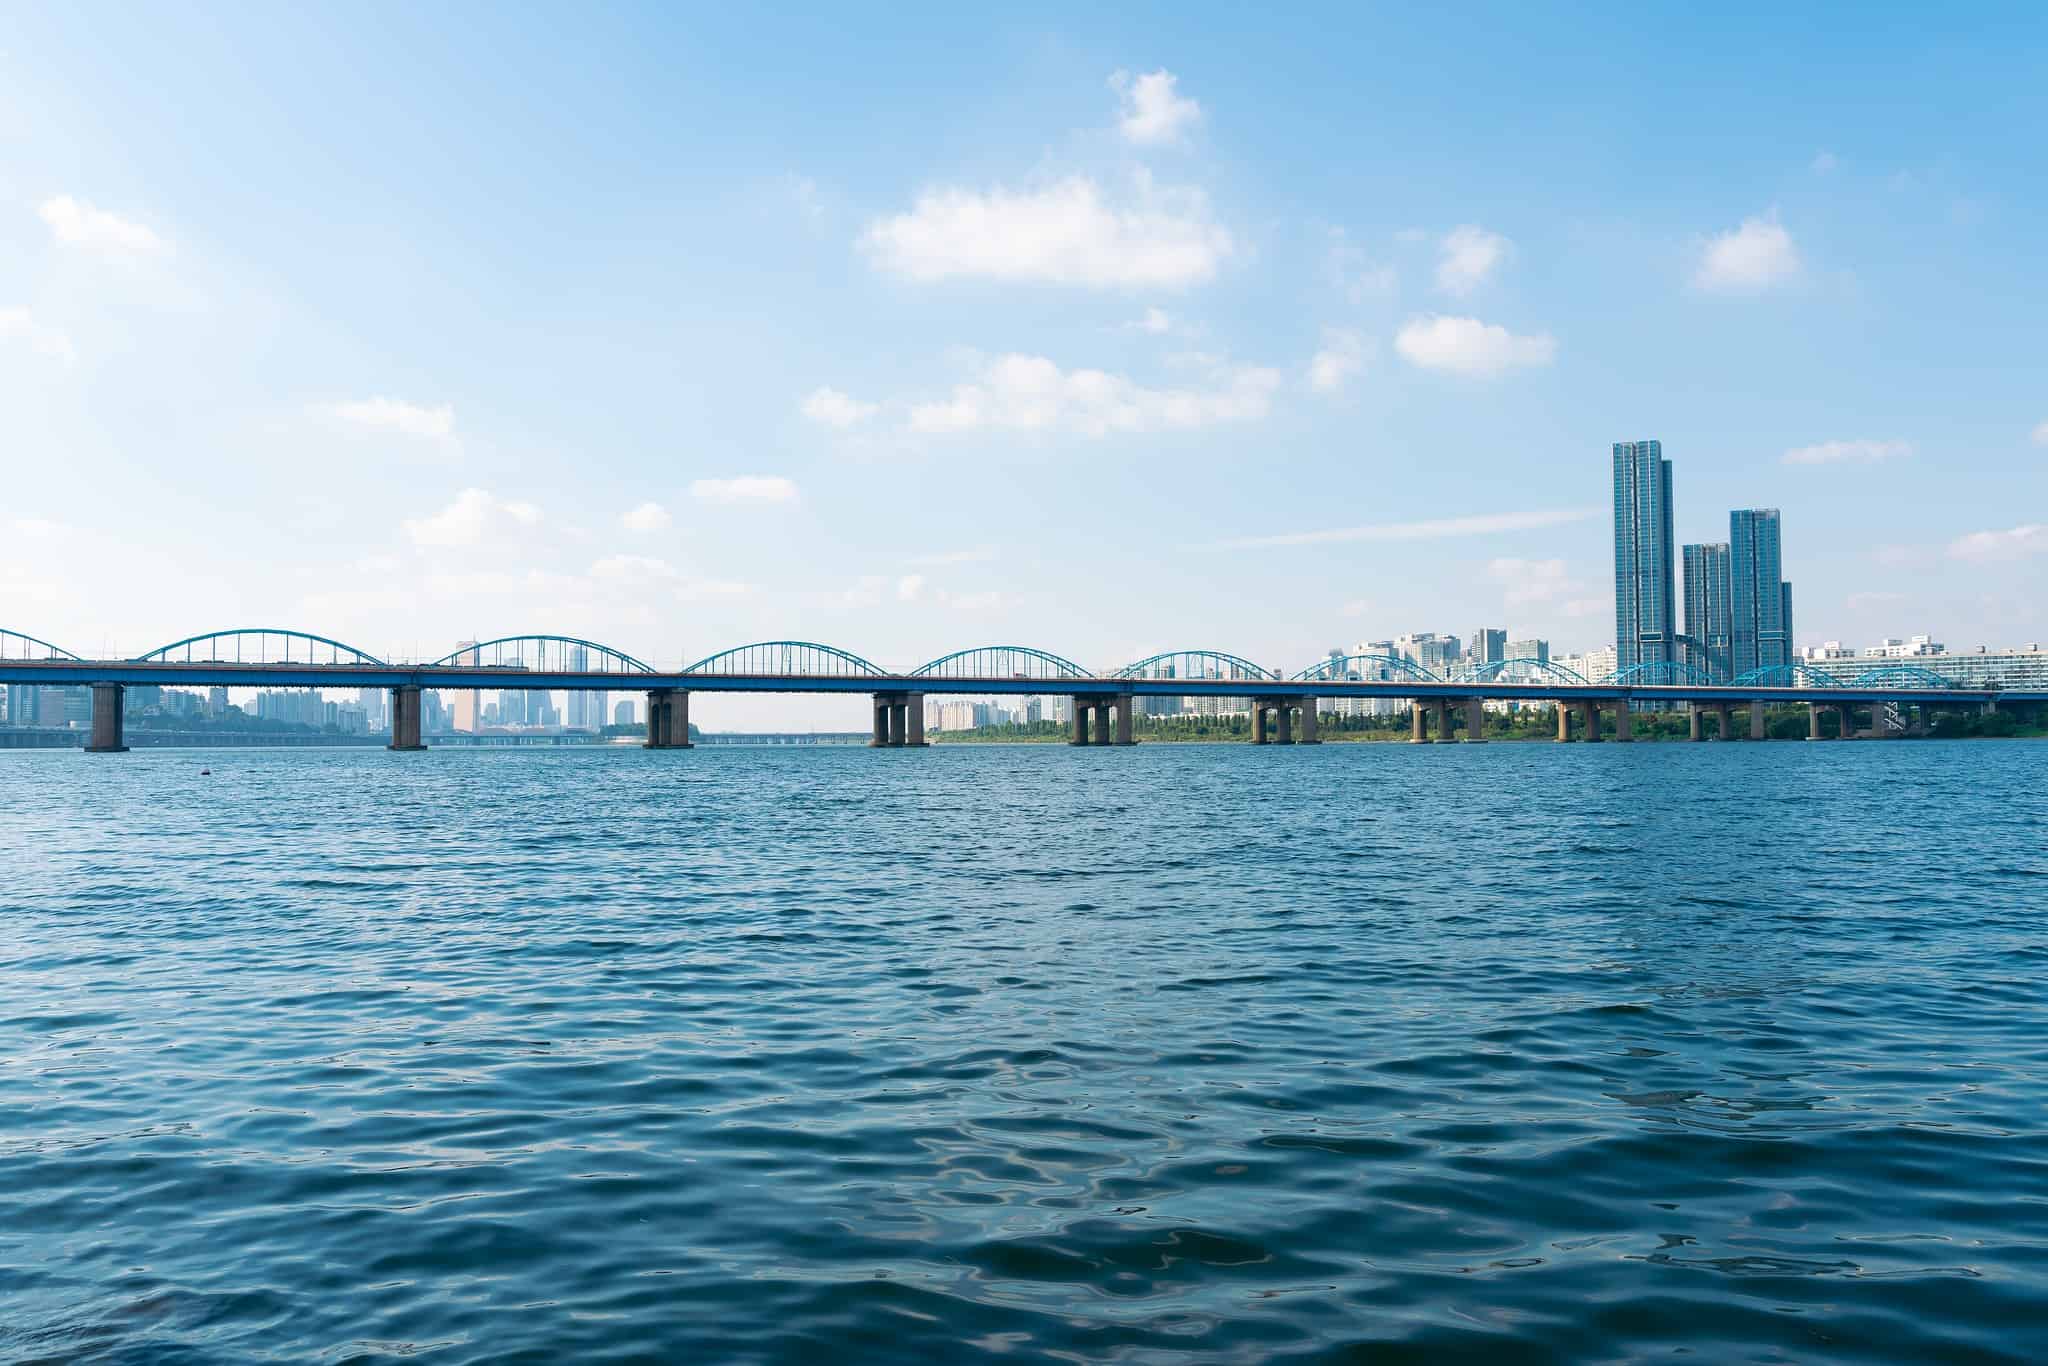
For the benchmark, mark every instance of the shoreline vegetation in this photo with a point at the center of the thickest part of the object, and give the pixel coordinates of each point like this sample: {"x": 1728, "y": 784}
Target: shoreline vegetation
{"x": 1780, "y": 723}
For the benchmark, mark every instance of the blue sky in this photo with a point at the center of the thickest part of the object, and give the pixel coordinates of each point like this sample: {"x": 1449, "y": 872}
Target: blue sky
{"x": 918, "y": 329}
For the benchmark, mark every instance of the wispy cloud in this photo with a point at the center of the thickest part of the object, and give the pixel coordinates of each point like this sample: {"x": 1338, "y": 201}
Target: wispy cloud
{"x": 828, "y": 407}
{"x": 648, "y": 517}
{"x": 395, "y": 415}
{"x": 473, "y": 516}
{"x": 1467, "y": 346}
{"x": 1848, "y": 452}
{"x": 1753, "y": 257}
{"x": 75, "y": 223}
{"x": 1428, "y": 530}
{"x": 18, "y": 324}
{"x": 1152, "y": 111}
{"x": 2041, "y": 434}
{"x": 745, "y": 488}
{"x": 2011, "y": 544}
{"x": 1468, "y": 256}
{"x": 1068, "y": 233}
{"x": 1032, "y": 393}
{"x": 1342, "y": 356}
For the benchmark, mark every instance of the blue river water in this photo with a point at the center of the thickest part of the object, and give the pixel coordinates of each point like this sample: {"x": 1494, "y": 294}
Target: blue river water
{"x": 1508, "y": 1052}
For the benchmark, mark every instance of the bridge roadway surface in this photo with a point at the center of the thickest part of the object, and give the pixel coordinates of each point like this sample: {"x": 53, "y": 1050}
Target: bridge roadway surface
{"x": 70, "y": 673}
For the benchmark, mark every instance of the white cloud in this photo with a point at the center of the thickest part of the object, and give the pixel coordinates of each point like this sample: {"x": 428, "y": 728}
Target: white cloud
{"x": 1066, "y": 233}
{"x": 396, "y": 415}
{"x": 1469, "y": 254}
{"x": 745, "y": 488}
{"x": 1427, "y": 530}
{"x": 1157, "y": 321}
{"x": 1532, "y": 581}
{"x": 1354, "y": 271}
{"x": 644, "y": 571}
{"x": 908, "y": 587}
{"x": 473, "y": 515}
{"x": 18, "y": 324}
{"x": 1151, "y": 112}
{"x": 646, "y": 518}
{"x": 75, "y": 223}
{"x": 1753, "y": 257}
{"x": 2041, "y": 435}
{"x": 1031, "y": 393}
{"x": 1342, "y": 356}
{"x": 834, "y": 409}
{"x": 1824, "y": 161}
{"x": 1467, "y": 346}
{"x": 944, "y": 557}
{"x": 1841, "y": 452}
{"x": 2011, "y": 544}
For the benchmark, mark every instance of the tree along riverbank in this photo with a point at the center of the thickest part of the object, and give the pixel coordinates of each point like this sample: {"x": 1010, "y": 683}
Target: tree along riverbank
{"x": 1780, "y": 723}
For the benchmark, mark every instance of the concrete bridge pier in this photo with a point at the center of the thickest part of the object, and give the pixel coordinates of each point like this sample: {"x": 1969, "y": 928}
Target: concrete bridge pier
{"x": 107, "y": 700}
{"x": 405, "y": 719}
{"x": 1756, "y": 719}
{"x": 1122, "y": 707}
{"x": 1475, "y": 721}
{"x": 668, "y": 719}
{"x": 1564, "y": 722}
{"x": 1591, "y": 712}
{"x": 1724, "y": 716}
{"x": 1283, "y": 718}
{"x": 1440, "y": 720}
{"x": 1624, "y": 723}
{"x": 913, "y": 717}
{"x": 1813, "y": 711}
{"x": 1693, "y": 729}
{"x": 1308, "y": 722}
{"x": 1418, "y": 722}
{"x": 893, "y": 722}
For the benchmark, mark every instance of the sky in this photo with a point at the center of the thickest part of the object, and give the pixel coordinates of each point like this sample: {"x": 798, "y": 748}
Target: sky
{"x": 1105, "y": 330}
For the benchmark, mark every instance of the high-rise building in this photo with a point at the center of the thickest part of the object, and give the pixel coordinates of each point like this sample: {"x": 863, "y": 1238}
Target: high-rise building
{"x": 1757, "y": 596}
{"x": 1645, "y": 619}
{"x": 622, "y": 714}
{"x": 1708, "y": 613}
{"x": 1488, "y": 645}
{"x": 1536, "y": 649}
{"x": 1791, "y": 641}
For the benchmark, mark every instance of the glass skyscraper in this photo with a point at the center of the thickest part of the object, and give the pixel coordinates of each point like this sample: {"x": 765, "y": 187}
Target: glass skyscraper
{"x": 1708, "y": 611}
{"x": 1645, "y": 622}
{"x": 1758, "y": 596}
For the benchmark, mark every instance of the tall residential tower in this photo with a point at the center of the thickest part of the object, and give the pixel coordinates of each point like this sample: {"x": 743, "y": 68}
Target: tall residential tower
{"x": 1707, "y": 611}
{"x": 1758, "y": 595}
{"x": 1645, "y": 622}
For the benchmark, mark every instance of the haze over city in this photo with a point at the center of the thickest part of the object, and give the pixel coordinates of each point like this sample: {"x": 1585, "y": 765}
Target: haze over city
{"x": 1066, "y": 330}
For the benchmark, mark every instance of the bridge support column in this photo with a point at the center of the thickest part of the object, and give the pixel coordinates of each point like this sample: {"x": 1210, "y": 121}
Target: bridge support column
{"x": 1813, "y": 722}
{"x": 1724, "y": 713}
{"x": 899, "y": 723}
{"x": 913, "y": 718}
{"x": 1283, "y": 712}
{"x": 1475, "y": 721}
{"x": 1591, "y": 711}
{"x": 1122, "y": 707}
{"x": 1259, "y": 735}
{"x": 1308, "y": 722}
{"x": 1418, "y": 722}
{"x": 1442, "y": 720}
{"x": 1079, "y": 719}
{"x": 1101, "y": 710}
{"x": 107, "y": 700}
{"x": 1564, "y": 722}
{"x": 668, "y": 719}
{"x": 1756, "y": 719}
{"x": 1624, "y": 723}
{"x": 881, "y": 735}
{"x": 1693, "y": 729}
{"x": 405, "y": 719}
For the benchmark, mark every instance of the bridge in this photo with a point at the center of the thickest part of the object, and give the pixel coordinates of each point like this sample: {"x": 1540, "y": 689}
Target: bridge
{"x": 1283, "y": 707}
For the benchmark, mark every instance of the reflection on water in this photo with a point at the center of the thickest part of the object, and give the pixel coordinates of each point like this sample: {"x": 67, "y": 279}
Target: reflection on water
{"x": 1524, "y": 1051}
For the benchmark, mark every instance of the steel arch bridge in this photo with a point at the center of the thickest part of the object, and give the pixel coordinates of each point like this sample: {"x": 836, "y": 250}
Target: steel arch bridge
{"x": 1210, "y": 664}
{"x": 1338, "y": 670}
{"x": 18, "y": 645}
{"x": 1001, "y": 661}
{"x": 259, "y": 645}
{"x": 1786, "y": 676}
{"x": 1901, "y": 676}
{"x": 1524, "y": 669}
{"x": 547, "y": 653}
{"x": 794, "y": 658}
{"x": 1665, "y": 672}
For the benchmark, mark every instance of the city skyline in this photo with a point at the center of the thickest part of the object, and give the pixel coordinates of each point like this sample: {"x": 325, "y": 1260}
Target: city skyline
{"x": 1103, "y": 310}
